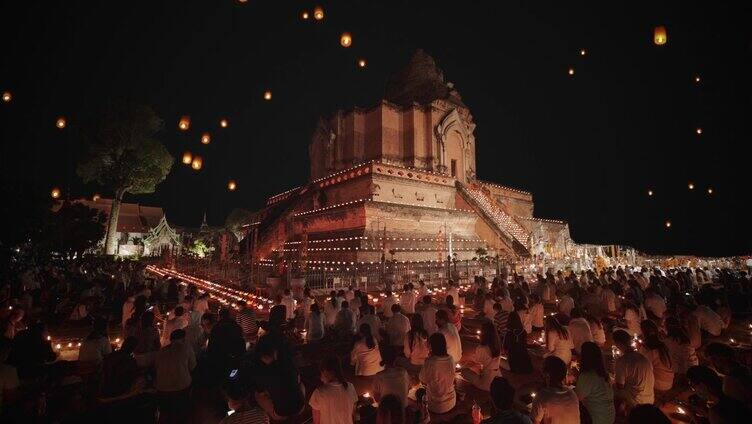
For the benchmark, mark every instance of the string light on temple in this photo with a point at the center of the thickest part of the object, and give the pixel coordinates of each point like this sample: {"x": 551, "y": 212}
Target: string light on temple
{"x": 205, "y": 138}
{"x": 55, "y": 193}
{"x": 345, "y": 39}
{"x": 318, "y": 13}
{"x": 187, "y": 158}
{"x": 660, "y": 36}
{"x": 184, "y": 123}
{"x": 267, "y": 95}
{"x": 61, "y": 122}
{"x": 7, "y": 97}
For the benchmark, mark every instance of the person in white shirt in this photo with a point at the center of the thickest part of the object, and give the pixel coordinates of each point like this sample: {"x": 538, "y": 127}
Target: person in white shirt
{"x": 507, "y": 305}
{"x": 680, "y": 349}
{"x": 331, "y": 307}
{"x": 96, "y": 346}
{"x": 178, "y": 322}
{"x": 484, "y": 363}
{"x": 537, "y": 313}
{"x": 416, "y": 347}
{"x": 579, "y": 329}
{"x": 314, "y": 324}
{"x": 428, "y": 313}
{"x": 558, "y": 340}
{"x": 393, "y": 380}
{"x": 386, "y": 306}
{"x": 201, "y": 305}
{"x": 289, "y": 304}
{"x": 306, "y": 302}
{"x": 422, "y": 289}
{"x": 609, "y": 299}
{"x": 632, "y": 318}
{"x": 451, "y": 336}
{"x": 555, "y": 403}
{"x": 407, "y": 300}
{"x": 365, "y": 355}
{"x": 334, "y": 401}
{"x": 174, "y": 364}
{"x": 369, "y": 317}
{"x": 454, "y": 292}
{"x": 397, "y": 326}
{"x": 438, "y": 374}
{"x": 350, "y": 294}
{"x": 655, "y": 303}
{"x": 634, "y": 378}
{"x": 709, "y": 320}
{"x": 566, "y": 304}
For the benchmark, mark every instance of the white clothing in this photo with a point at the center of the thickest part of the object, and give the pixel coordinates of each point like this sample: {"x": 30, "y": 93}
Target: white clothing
{"x": 455, "y": 293}
{"x": 579, "y": 331}
{"x": 635, "y": 372}
{"x": 556, "y": 406}
{"x": 709, "y": 320}
{"x": 397, "y": 326}
{"x": 453, "y": 342}
{"x": 682, "y": 356}
{"x": 314, "y": 327}
{"x": 407, "y": 302}
{"x": 177, "y": 323}
{"x": 488, "y": 308}
{"x": 559, "y": 347}
{"x": 334, "y": 402}
{"x": 386, "y": 306}
{"x": 537, "y": 315}
{"x": 437, "y": 374}
{"x": 489, "y": 367}
{"x": 289, "y": 304}
{"x": 428, "y": 313}
{"x": 656, "y": 305}
{"x": 392, "y": 381}
{"x": 418, "y": 351}
{"x": 507, "y": 305}
{"x": 566, "y": 304}
{"x": 374, "y": 322}
{"x": 367, "y": 360}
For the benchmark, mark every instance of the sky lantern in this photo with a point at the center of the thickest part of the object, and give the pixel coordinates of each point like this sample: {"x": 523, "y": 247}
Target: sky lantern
{"x": 570, "y": 71}
{"x": 668, "y": 224}
{"x": 61, "y": 122}
{"x": 304, "y": 15}
{"x": 187, "y": 158}
{"x": 223, "y": 123}
{"x": 361, "y": 63}
{"x": 205, "y": 138}
{"x": 698, "y": 131}
{"x": 650, "y": 193}
{"x": 583, "y": 52}
{"x": 691, "y": 185}
{"x": 197, "y": 163}
{"x": 318, "y": 13}
{"x": 345, "y": 39}
{"x": 660, "y": 37}
{"x": 55, "y": 193}
{"x": 96, "y": 197}
{"x": 697, "y": 79}
{"x": 710, "y": 190}
{"x": 267, "y": 95}
{"x": 232, "y": 185}
{"x": 185, "y": 123}
{"x": 7, "y": 97}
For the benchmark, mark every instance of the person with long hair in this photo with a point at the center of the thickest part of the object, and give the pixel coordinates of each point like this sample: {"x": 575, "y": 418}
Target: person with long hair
{"x": 593, "y": 387}
{"x": 365, "y": 355}
{"x": 451, "y": 335}
{"x": 485, "y": 358}
{"x": 558, "y": 340}
{"x": 437, "y": 375}
{"x": 334, "y": 401}
{"x": 657, "y": 352}
{"x": 454, "y": 316}
{"x": 515, "y": 344}
{"x": 555, "y": 403}
{"x": 680, "y": 349}
{"x": 416, "y": 342}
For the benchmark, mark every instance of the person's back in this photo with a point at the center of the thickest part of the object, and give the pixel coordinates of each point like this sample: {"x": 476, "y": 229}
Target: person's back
{"x": 94, "y": 349}
{"x": 556, "y": 406}
{"x": 428, "y": 313}
{"x": 335, "y": 402}
{"x": 579, "y": 329}
{"x": 392, "y": 381}
{"x": 407, "y": 302}
{"x": 438, "y": 376}
{"x": 226, "y": 340}
{"x": 635, "y": 372}
{"x": 119, "y": 371}
{"x": 367, "y": 360}
{"x": 174, "y": 364}
{"x": 416, "y": 350}
{"x": 597, "y": 396}
{"x": 397, "y": 327}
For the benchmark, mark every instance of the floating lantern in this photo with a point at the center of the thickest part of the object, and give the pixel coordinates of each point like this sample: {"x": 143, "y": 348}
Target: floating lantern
{"x": 710, "y": 190}
{"x": 223, "y": 123}
{"x": 58, "y": 346}
{"x": 205, "y": 138}
{"x": 571, "y": 71}
{"x": 318, "y": 13}
{"x": 55, "y": 193}
{"x": 668, "y": 224}
{"x": 346, "y": 39}
{"x": 583, "y": 52}
{"x": 697, "y": 79}
{"x": 691, "y": 186}
{"x": 61, "y": 122}
{"x": 7, "y": 97}
{"x": 660, "y": 37}
{"x": 187, "y": 158}
{"x": 232, "y": 185}
{"x": 698, "y": 131}
{"x": 304, "y": 15}
{"x": 361, "y": 63}
{"x": 650, "y": 193}
{"x": 96, "y": 197}
{"x": 197, "y": 163}
{"x": 267, "y": 95}
{"x": 185, "y": 123}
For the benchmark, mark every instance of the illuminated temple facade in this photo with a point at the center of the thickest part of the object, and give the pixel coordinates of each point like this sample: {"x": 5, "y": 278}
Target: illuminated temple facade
{"x": 398, "y": 181}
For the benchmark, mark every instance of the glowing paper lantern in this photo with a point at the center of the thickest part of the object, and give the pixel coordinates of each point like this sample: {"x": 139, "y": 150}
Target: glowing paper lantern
{"x": 650, "y": 193}
{"x": 185, "y": 123}
{"x": 668, "y": 224}
{"x": 660, "y": 37}
{"x": 318, "y": 13}
{"x": 698, "y": 131}
{"x": 267, "y": 95}
{"x": 571, "y": 71}
{"x": 304, "y": 15}
{"x": 345, "y": 39}
{"x": 223, "y": 123}
{"x": 697, "y": 79}
{"x": 232, "y": 185}
{"x": 361, "y": 63}
{"x": 55, "y": 193}
{"x": 7, "y": 96}
{"x": 583, "y": 52}
{"x": 187, "y": 158}
{"x": 61, "y": 122}
{"x": 691, "y": 186}
{"x": 96, "y": 197}
{"x": 197, "y": 163}
{"x": 205, "y": 138}
{"x": 710, "y": 190}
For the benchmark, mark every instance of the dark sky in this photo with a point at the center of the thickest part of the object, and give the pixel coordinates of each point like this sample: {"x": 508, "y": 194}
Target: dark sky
{"x": 588, "y": 147}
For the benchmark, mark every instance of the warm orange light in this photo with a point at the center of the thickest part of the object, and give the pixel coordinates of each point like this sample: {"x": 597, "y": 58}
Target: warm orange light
{"x": 197, "y": 163}
{"x": 660, "y": 37}
{"x": 318, "y": 13}
{"x": 571, "y": 71}
{"x": 698, "y": 131}
{"x": 55, "y": 193}
{"x": 7, "y": 96}
{"x": 710, "y": 190}
{"x": 96, "y": 197}
{"x": 205, "y": 138}
{"x": 668, "y": 224}
{"x": 697, "y": 79}
{"x": 361, "y": 63}
{"x": 691, "y": 186}
{"x": 583, "y": 52}
{"x": 223, "y": 123}
{"x": 232, "y": 185}
{"x": 185, "y": 123}
{"x": 187, "y": 158}
{"x": 61, "y": 122}
{"x": 304, "y": 15}
{"x": 345, "y": 39}
{"x": 650, "y": 192}
{"x": 267, "y": 95}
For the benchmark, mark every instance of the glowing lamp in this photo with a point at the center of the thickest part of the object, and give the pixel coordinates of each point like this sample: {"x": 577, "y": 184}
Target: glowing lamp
{"x": 697, "y": 79}
{"x": 232, "y": 185}
{"x": 698, "y": 131}
{"x": 58, "y": 346}
{"x": 691, "y": 186}
{"x": 668, "y": 224}
{"x": 318, "y": 13}
{"x": 267, "y": 95}
{"x": 571, "y": 71}
{"x": 361, "y": 63}
{"x": 185, "y": 123}
{"x": 197, "y": 163}
{"x": 650, "y": 193}
{"x": 660, "y": 37}
{"x": 345, "y": 39}
{"x": 304, "y": 15}
{"x": 583, "y": 52}
{"x": 61, "y": 122}
{"x": 7, "y": 97}
{"x": 223, "y": 123}
{"x": 205, "y": 138}
{"x": 187, "y": 158}
{"x": 710, "y": 190}
{"x": 55, "y": 193}
{"x": 96, "y": 197}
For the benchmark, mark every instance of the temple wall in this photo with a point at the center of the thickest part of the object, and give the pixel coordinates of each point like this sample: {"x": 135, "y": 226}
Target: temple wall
{"x": 514, "y": 202}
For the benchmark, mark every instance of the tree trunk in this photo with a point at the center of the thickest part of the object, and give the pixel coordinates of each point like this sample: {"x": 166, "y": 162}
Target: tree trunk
{"x": 111, "y": 241}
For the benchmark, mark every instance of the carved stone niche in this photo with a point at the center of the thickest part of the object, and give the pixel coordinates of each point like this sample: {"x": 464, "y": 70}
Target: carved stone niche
{"x": 419, "y": 196}
{"x": 395, "y": 194}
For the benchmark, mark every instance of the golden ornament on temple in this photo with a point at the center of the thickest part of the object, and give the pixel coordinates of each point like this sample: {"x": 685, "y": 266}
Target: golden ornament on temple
{"x": 304, "y": 15}
{"x": 660, "y": 37}
{"x": 96, "y": 197}
{"x": 318, "y": 13}
{"x": 55, "y": 193}
{"x": 7, "y": 96}
{"x": 267, "y": 95}
{"x": 223, "y": 123}
{"x": 345, "y": 39}
{"x": 187, "y": 158}
{"x": 61, "y": 122}
{"x": 197, "y": 163}
{"x": 185, "y": 123}
{"x": 205, "y": 138}
{"x": 232, "y": 185}
{"x": 361, "y": 63}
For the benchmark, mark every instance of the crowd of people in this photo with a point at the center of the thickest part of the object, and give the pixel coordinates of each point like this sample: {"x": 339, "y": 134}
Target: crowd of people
{"x": 602, "y": 346}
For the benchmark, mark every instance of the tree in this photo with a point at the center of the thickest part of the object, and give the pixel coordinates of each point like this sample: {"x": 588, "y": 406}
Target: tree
{"x": 72, "y": 230}
{"x": 125, "y": 156}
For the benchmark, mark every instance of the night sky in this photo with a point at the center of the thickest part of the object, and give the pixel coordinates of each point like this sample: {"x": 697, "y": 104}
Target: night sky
{"x": 588, "y": 146}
